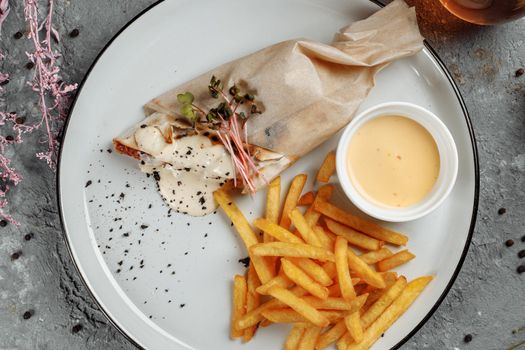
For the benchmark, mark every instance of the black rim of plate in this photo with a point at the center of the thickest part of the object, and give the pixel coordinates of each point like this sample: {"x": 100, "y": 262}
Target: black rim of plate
{"x": 474, "y": 206}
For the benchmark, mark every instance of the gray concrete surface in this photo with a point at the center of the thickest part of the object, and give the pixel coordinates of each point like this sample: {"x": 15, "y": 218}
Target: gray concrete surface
{"x": 488, "y": 298}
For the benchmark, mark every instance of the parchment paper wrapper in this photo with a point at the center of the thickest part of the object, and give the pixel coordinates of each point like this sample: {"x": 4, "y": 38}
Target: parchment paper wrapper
{"x": 309, "y": 90}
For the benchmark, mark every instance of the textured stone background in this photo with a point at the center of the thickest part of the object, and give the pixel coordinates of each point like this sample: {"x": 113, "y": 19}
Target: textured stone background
{"x": 488, "y": 298}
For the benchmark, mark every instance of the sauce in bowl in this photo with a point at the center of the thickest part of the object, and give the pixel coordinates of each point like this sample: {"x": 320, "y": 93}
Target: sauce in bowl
{"x": 393, "y": 161}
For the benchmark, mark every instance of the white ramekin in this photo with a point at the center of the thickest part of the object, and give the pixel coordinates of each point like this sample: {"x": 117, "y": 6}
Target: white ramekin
{"x": 448, "y": 156}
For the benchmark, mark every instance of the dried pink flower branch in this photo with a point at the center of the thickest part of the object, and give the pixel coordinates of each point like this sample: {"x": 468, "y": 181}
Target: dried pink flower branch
{"x": 53, "y": 98}
{"x": 46, "y": 82}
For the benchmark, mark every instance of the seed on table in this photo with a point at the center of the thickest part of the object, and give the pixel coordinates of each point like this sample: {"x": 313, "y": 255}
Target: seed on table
{"x": 9, "y": 138}
{"x": 519, "y": 72}
{"x": 3, "y": 223}
{"x": 521, "y": 254}
{"x": 5, "y": 82}
{"x": 509, "y": 242}
{"x": 74, "y": 33}
{"x": 468, "y": 338}
{"x": 20, "y": 120}
{"x": 27, "y": 315}
{"x": 30, "y": 65}
{"x": 521, "y": 269}
{"x": 523, "y": 238}
{"x": 16, "y": 255}
{"x": 18, "y": 35}
{"x": 76, "y": 328}
{"x": 502, "y": 211}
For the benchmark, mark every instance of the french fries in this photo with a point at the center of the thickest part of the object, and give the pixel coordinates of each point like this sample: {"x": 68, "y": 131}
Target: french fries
{"x": 316, "y": 272}
{"x": 353, "y": 237}
{"x": 294, "y": 337}
{"x": 322, "y": 282}
{"x": 294, "y": 192}
{"x": 299, "y": 305}
{"x": 343, "y": 272}
{"x": 302, "y": 279}
{"x": 360, "y": 224}
{"x": 309, "y": 338}
{"x": 353, "y": 324}
{"x": 324, "y": 194}
{"x": 252, "y": 300}
{"x": 239, "y": 303}
{"x": 279, "y": 280}
{"x": 306, "y": 199}
{"x": 327, "y": 169}
{"x": 395, "y": 260}
{"x": 364, "y": 271}
{"x": 304, "y": 229}
{"x": 392, "y": 313}
{"x": 296, "y": 250}
{"x": 273, "y": 204}
{"x": 246, "y": 233}
{"x": 279, "y": 233}
{"x": 332, "y": 335}
{"x": 375, "y": 256}
{"x": 383, "y": 302}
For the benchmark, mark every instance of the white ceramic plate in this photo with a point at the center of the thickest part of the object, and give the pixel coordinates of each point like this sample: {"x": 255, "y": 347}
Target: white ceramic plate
{"x": 168, "y": 285}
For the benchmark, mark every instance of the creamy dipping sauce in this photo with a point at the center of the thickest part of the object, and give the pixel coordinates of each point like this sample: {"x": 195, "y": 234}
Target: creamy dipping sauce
{"x": 393, "y": 161}
{"x": 187, "y": 170}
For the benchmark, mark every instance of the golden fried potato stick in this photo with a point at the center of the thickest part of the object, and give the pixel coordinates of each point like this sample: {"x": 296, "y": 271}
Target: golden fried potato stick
{"x": 306, "y": 199}
{"x": 311, "y": 216}
{"x": 255, "y": 316}
{"x": 324, "y": 237}
{"x": 246, "y": 233}
{"x": 343, "y": 273}
{"x": 252, "y": 299}
{"x": 295, "y": 250}
{"x": 375, "y": 256}
{"x": 273, "y": 205}
{"x": 392, "y": 313}
{"x": 294, "y": 337}
{"x": 353, "y": 324}
{"x": 352, "y": 236}
{"x": 395, "y": 260}
{"x": 294, "y": 192}
{"x": 276, "y": 232}
{"x": 300, "y": 278}
{"x": 312, "y": 269}
{"x": 239, "y": 304}
{"x": 299, "y": 305}
{"x": 384, "y": 301}
{"x": 364, "y": 271}
{"x": 360, "y": 224}
{"x": 331, "y": 335}
{"x": 309, "y": 338}
{"x": 327, "y": 169}
{"x": 304, "y": 229}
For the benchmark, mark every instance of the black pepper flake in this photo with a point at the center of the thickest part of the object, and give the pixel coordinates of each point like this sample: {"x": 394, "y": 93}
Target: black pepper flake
{"x": 125, "y": 234}
{"x": 122, "y": 195}
{"x": 18, "y": 35}
{"x": 5, "y": 82}
{"x": 245, "y": 261}
{"x": 179, "y": 183}
{"x": 186, "y": 253}
{"x": 521, "y": 269}
{"x": 118, "y": 271}
{"x": 521, "y": 254}
{"x": 519, "y": 72}
{"x": 187, "y": 169}
{"x": 143, "y": 227}
{"x": 149, "y": 206}
{"x": 523, "y": 238}
{"x": 509, "y": 242}
{"x": 27, "y": 315}
{"x": 88, "y": 183}
{"x": 182, "y": 305}
{"x": 156, "y": 176}
{"x": 143, "y": 126}
{"x": 74, "y": 33}
{"x": 76, "y": 328}
{"x": 467, "y": 338}
{"x": 109, "y": 150}
{"x": 16, "y": 255}
{"x": 502, "y": 211}
{"x": 188, "y": 153}
{"x": 202, "y": 200}
{"x": 120, "y": 263}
